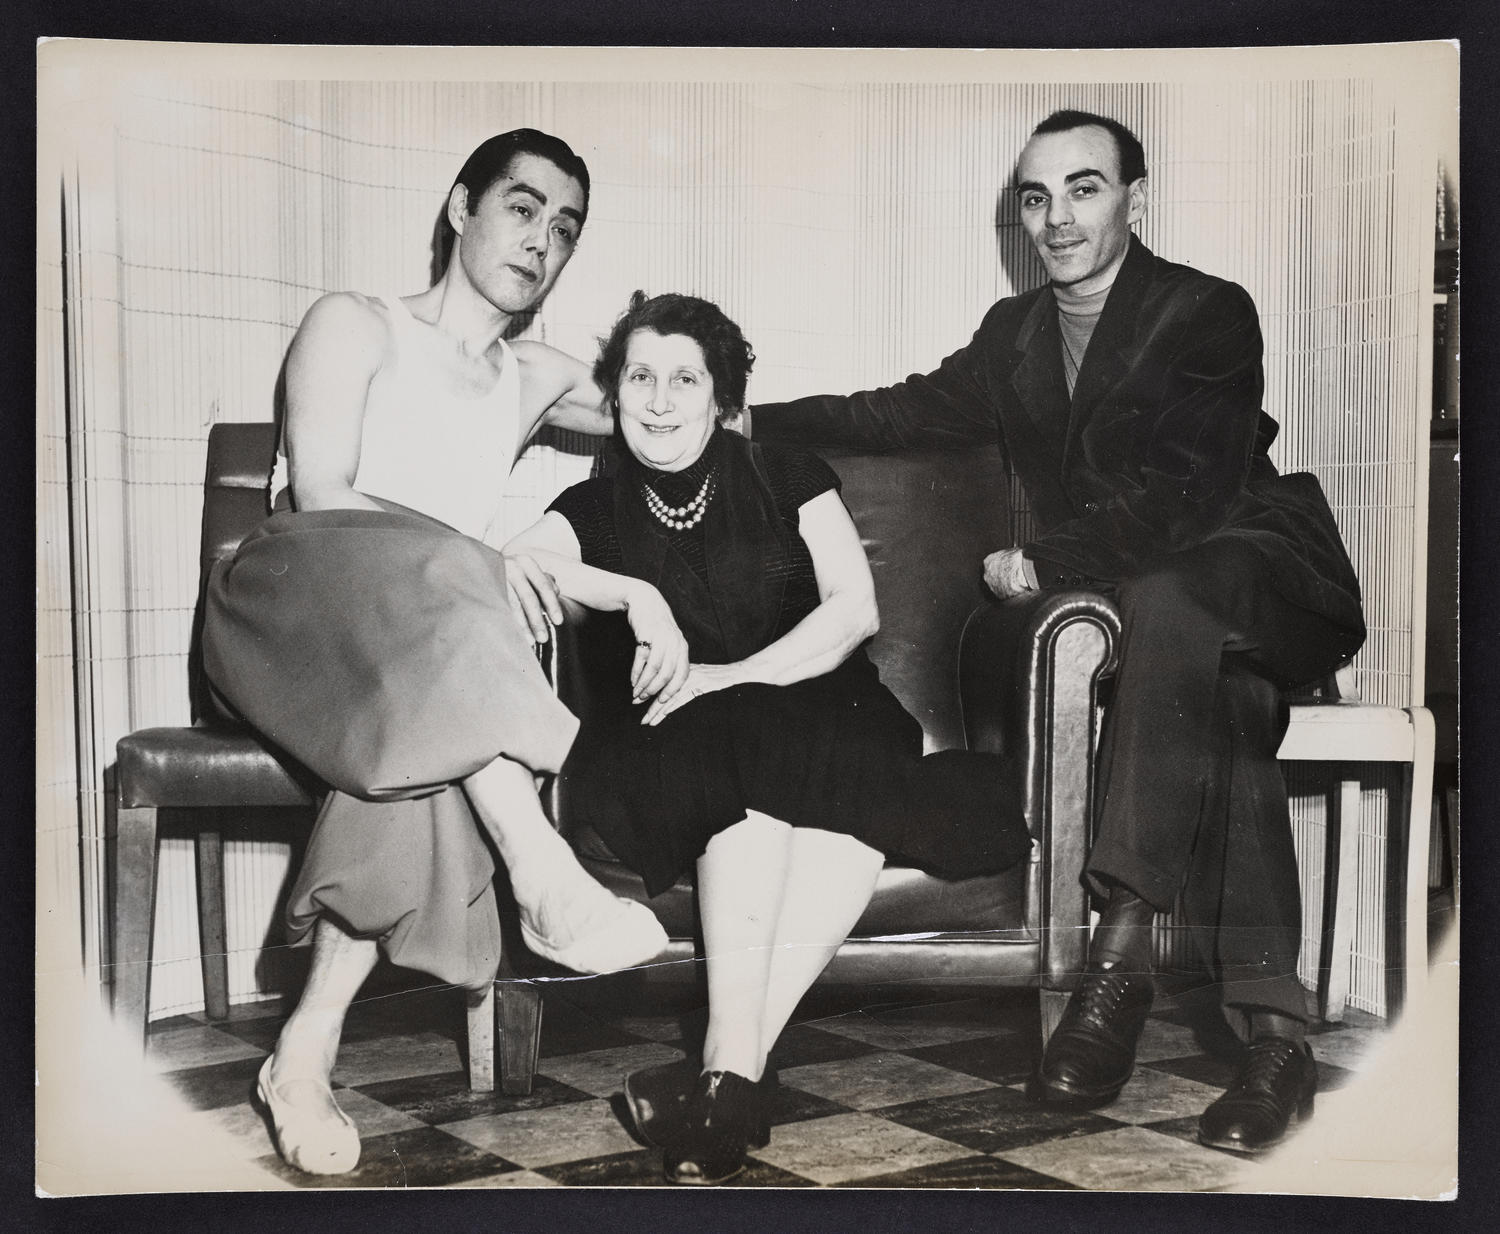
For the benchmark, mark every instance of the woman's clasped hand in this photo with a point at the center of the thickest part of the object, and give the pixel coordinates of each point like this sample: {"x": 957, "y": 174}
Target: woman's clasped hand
{"x": 701, "y": 679}
{"x": 661, "y": 651}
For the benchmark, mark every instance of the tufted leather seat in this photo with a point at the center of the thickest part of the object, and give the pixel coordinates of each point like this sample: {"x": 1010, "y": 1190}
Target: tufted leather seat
{"x": 1020, "y": 677}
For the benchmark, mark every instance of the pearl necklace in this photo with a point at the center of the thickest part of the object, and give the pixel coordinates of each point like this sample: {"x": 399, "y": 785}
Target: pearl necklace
{"x": 680, "y": 518}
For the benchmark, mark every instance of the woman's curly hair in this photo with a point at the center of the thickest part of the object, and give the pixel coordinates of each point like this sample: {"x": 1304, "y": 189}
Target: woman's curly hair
{"x": 726, "y": 352}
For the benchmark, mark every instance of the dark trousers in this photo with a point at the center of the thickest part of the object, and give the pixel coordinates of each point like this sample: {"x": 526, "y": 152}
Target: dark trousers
{"x": 1191, "y": 795}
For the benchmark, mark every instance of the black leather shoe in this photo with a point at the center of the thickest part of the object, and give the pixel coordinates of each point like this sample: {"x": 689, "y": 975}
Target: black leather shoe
{"x": 1092, "y": 1051}
{"x": 723, "y": 1115}
{"x": 657, "y": 1099}
{"x": 1272, "y": 1090}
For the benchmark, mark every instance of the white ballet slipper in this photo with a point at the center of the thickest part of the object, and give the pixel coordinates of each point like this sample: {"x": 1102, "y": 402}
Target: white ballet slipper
{"x": 308, "y": 1139}
{"x": 623, "y": 938}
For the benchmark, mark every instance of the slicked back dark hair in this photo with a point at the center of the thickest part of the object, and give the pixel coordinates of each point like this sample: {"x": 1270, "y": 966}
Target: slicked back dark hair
{"x": 1127, "y": 144}
{"x": 493, "y": 158}
{"x": 726, "y": 352}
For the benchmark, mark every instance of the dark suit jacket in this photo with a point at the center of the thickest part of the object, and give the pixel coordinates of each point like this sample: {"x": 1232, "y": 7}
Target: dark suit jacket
{"x": 1162, "y": 446}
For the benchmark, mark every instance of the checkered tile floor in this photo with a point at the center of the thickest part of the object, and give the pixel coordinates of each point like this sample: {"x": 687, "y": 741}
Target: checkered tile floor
{"x": 878, "y": 1089}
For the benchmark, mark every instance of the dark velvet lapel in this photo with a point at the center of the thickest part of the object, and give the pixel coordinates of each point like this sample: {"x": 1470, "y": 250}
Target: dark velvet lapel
{"x": 737, "y": 611}
{"x": 1110, "y": 355}
{"x": 1038, "y": 378}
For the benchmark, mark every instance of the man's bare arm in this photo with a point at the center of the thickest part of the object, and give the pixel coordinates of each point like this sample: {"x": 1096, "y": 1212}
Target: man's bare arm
{"x": 559, "y": 390}
{"x": 334, "y": 357}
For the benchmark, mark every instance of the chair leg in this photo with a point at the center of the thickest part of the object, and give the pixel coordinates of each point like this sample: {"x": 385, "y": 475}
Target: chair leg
{"x": 1338, "y": 942}
{"x": 1053, "y": 1003}
{"x": 1418, "y": 831}
{"x": 1435, "y": 844}
{"x": 482, "y": 1039}
{"x": 212, "y": 931}
{"x": 520, "y": 1035}
{"x": 134, "y": 915}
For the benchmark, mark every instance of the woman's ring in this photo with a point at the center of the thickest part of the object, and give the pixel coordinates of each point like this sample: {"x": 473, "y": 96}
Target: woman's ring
{"x": 643, "y": 643}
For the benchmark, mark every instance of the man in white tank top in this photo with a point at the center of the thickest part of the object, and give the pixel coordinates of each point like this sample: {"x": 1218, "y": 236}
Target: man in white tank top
{"x": 515, "y": 213}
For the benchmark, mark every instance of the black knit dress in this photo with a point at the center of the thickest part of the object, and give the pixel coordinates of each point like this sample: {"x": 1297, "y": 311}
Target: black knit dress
{"x": 836, "y": 752}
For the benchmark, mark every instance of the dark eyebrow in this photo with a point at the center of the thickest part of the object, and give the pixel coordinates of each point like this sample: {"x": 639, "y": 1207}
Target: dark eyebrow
{"x": 520, "y": 186}
{"x": 1025, "y": 185}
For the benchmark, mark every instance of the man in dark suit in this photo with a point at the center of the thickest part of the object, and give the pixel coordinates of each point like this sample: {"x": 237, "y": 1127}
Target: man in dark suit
{"x": 1126, "y": 394}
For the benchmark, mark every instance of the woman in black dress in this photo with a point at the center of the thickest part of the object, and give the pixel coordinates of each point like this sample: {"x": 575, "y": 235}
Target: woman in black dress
{"x": 765, "y": 750}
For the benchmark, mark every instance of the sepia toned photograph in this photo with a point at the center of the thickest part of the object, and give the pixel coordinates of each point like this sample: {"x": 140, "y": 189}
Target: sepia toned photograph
{"x": 780, "y": 619}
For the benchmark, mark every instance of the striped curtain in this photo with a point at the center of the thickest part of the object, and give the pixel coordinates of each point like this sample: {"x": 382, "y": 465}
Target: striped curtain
{"x": 857, "y": 230}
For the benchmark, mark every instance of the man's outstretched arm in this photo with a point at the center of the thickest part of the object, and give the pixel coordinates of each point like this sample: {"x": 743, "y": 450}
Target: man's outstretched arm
{"x": 948, "y": 408}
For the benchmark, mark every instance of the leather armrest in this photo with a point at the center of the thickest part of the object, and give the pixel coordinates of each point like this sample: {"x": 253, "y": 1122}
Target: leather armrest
{"x": 1009, "y": 662}
{"x": 1029, "y": 675}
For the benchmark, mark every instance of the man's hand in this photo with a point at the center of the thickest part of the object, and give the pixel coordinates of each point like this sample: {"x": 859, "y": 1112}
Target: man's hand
{"x": 1005, "y": 573}
{"x": 533, "y": 595}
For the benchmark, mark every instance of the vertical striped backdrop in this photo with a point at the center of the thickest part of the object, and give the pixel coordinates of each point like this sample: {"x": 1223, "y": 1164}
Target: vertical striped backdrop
{"x": 855, "y": 229}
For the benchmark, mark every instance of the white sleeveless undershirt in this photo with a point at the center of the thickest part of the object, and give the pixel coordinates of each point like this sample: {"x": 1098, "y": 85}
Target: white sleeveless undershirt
{"x": 444, "y": 453}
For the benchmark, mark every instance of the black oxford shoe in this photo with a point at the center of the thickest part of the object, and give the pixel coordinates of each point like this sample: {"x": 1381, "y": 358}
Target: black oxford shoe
{"x": 657, "y": 1100}
{"x": 1092, "y": 1052}
{"x": 725, "y": 1114}
{"x": 1272, "y": 1090}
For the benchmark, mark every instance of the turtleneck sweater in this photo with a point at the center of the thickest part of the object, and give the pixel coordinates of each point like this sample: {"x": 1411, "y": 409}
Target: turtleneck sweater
{"x": 1077, "y": 315}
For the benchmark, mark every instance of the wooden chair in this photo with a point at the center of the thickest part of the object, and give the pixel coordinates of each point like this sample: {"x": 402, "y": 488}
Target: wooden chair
{"x": 209, "y": 775}
{"x": 1346, "y": 731}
